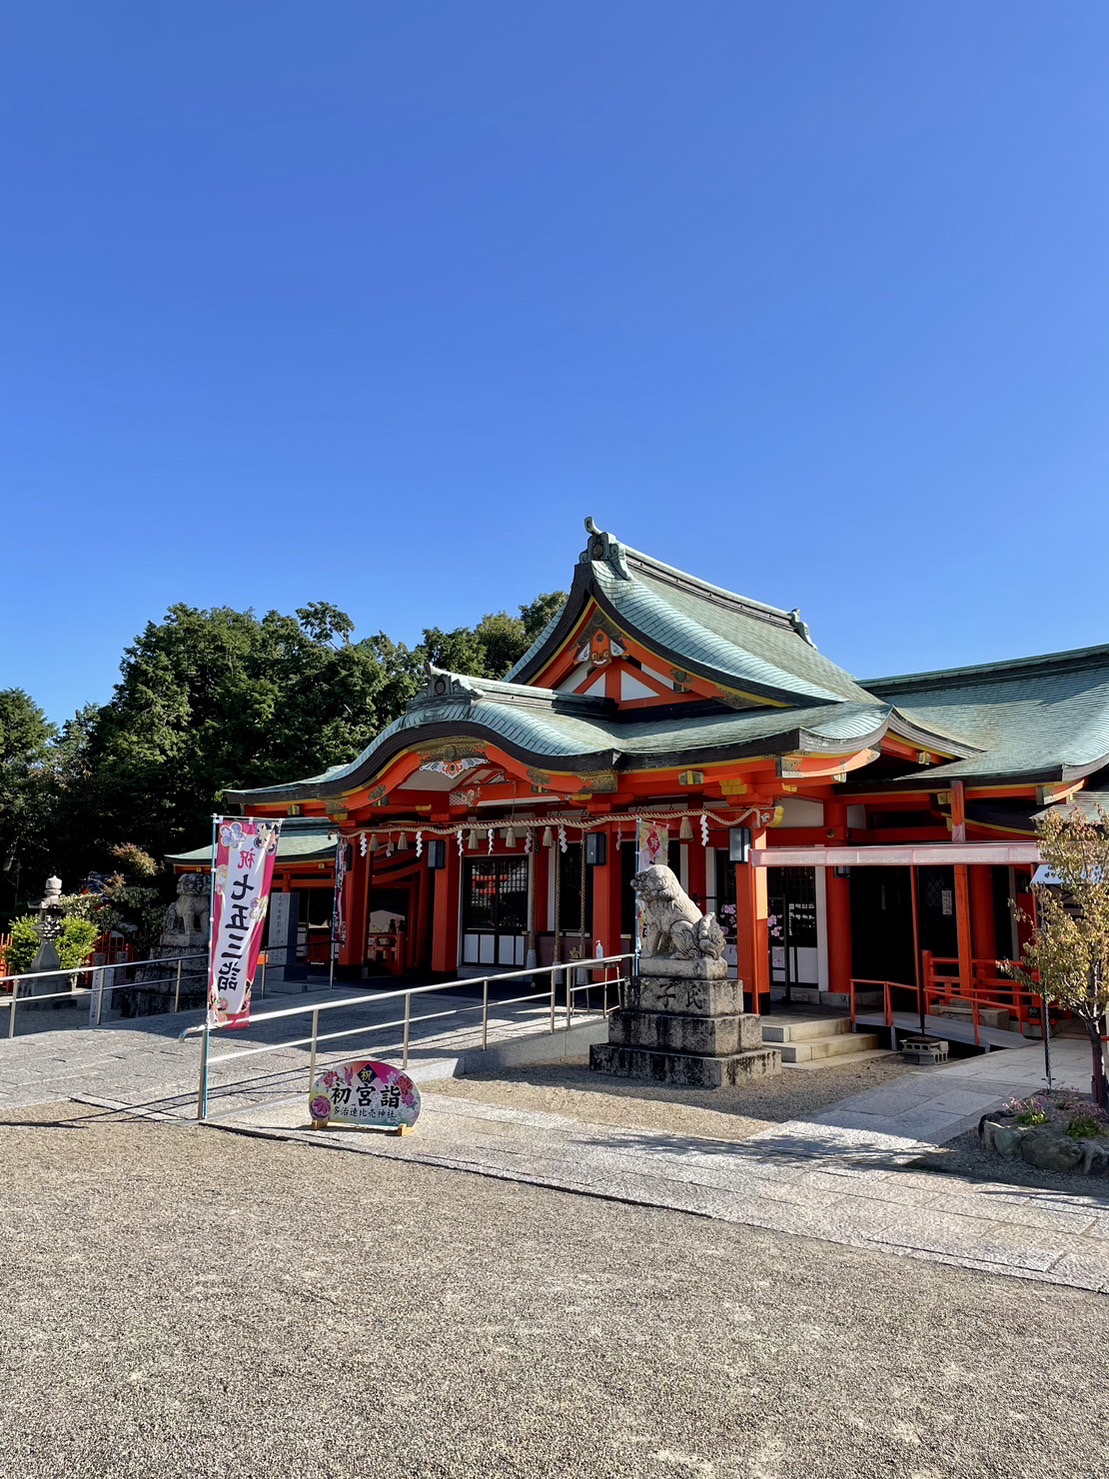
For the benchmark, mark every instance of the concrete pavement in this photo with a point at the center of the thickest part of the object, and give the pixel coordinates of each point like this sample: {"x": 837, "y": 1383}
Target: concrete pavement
{"x": 841, "y": 1175}
{"x": 145, "y": 1063}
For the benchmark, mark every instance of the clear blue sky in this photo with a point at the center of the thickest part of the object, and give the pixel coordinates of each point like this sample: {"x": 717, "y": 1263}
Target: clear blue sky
{"x": 373, "y": 302}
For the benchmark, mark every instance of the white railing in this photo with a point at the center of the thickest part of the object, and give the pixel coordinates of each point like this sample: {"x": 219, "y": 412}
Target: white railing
{"x": 611, "y": 965}
{"x": 103, "y": 980}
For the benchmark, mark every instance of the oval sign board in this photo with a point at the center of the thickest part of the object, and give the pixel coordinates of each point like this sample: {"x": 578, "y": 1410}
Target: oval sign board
{"x": 364, "y": 1092}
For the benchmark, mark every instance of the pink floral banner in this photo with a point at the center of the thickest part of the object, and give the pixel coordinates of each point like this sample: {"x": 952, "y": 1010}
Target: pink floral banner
{"x": 364, "y": 1092}
{"x": 244, "y": 856}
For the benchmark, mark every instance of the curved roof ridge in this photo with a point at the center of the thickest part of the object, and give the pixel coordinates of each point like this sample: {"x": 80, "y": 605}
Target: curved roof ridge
{"x": 606, "y": 547}
{"x": 1074, "y": 657}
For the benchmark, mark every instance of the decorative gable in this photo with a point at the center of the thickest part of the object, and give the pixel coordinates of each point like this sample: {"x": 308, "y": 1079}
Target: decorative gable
{"x": 602, "y": 661}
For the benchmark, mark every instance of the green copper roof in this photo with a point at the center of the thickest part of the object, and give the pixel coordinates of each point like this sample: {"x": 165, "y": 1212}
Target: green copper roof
{"x": 1036, "y": 718}
{"x": 1033, "y": 719}
{"x": 733, "y": 641}
{"x": 568, "y": 731}
{"x": 302, "y": 840}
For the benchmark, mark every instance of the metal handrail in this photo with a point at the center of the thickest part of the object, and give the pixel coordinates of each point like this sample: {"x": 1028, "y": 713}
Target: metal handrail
{"x": 205, "y": 1030}
{"x": 11, "y": 997}
{"x": 73, "y": 970}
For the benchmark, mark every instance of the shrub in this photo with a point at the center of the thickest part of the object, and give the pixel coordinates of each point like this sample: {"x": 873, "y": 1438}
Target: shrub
{"x": 135, "y": 860}
{"x": 1085, "y": 1127}
{"x": 75, "y": 944}
{"x": 25, "y": 944}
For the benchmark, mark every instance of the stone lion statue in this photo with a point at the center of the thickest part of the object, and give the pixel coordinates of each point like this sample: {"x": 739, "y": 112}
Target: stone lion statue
{"x": 186, "y": 921}
{"x": 673, "y": 925}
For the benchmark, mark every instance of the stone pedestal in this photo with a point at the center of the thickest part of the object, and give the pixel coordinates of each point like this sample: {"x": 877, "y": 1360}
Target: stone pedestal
{"x": 681, "y": 1023}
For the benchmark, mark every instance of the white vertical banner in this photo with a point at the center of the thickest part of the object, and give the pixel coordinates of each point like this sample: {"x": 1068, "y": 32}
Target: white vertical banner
{"x": 243, "y": 871}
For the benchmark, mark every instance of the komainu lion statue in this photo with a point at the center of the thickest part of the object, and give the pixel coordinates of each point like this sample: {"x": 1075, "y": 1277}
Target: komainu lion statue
{"x": 672, "y": 924}
{"x": 186, "y": 919}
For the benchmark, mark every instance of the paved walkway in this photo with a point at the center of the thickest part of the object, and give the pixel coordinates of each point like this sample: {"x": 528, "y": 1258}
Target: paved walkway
{"x": 145, "y": 1062}
{"x": 842, "y": 1176}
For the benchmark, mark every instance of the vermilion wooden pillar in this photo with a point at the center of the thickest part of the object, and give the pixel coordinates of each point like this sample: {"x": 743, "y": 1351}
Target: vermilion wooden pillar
{"x": 962, "y": 924}
{"x": 838, "y": 893}
{"x": 606, "y": 899}
{"x": 753, "y": 942}
{"x": 962, "y": 890}
{"x": 444, "y": 925}
{"x": 356, "y": 900}
{"x": 353, "y": 891}
{"x": 983, "y": 921}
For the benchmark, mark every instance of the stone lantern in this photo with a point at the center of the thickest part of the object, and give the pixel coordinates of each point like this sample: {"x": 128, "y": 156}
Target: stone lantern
{"x": 49, "y": 927}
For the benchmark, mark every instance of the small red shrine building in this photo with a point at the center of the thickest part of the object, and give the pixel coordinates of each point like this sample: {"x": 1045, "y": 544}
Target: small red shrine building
{"x": 891, "y": 819}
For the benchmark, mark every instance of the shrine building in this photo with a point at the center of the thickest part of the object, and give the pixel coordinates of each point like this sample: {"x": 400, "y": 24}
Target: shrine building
{"x": 842, "y": 830}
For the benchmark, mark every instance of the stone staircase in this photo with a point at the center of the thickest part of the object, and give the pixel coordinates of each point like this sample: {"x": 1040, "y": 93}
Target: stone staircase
{"x": 815, "y": 1039}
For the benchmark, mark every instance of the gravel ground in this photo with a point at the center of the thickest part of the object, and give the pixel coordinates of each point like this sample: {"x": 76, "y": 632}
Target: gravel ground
{"x": 968, "y": 1157}
{"x": 388, "y": 1319}
{"x": 722, "y": 1114}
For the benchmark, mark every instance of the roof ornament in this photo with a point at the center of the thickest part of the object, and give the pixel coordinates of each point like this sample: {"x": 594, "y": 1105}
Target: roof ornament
{"x": 799, "y": 626}
{"x": 604, "y": 548}
{"x": 444, "y": 687}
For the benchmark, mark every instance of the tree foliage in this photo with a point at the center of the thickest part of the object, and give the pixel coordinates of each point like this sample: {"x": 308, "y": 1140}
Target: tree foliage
{"x": 496, "y": 644}
{"x": 209, "y": 700}
{"x": 1067, "y": 957}
{"x": 26, "y": 776}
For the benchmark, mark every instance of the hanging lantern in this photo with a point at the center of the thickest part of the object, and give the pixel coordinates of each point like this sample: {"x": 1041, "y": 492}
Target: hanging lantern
{"x": 510, "y": 837}
{"x": 471, "y": 840}
{"x": 548, "y": 837}
{"x": 402, "y": 842}
{"x": 685, "y": 831}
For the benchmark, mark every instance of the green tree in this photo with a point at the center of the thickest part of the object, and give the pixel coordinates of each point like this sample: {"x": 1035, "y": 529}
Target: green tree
{"x": 496, "y": 644}
{"x": 209, "y": 700}
{"x": 1068, "y": 955}
{"x": 215, "y": 699}
{"x": 26, "y": 788}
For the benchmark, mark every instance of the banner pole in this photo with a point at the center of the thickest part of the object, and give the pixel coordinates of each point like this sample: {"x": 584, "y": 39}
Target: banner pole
{"x": 209, "y": 997}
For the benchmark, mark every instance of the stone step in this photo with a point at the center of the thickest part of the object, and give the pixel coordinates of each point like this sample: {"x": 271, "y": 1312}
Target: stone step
{"x": 817, "y": 1065}
{"x": 963, "y": 1011}
{"x": 802, "y": 1029}
{"x": 820, "y": 1048}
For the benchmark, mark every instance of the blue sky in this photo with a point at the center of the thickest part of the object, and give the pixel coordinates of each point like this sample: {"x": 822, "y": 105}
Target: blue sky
{"x": 373, "y": 303}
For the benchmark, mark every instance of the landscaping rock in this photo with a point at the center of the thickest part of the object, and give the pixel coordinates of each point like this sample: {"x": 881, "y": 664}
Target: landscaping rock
{"x": 1095, "y": 1158}
{"x": 1047, "y": 1147}
{"x": 1052, "y": 1152}
{"x": 1006, "y": 1139}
